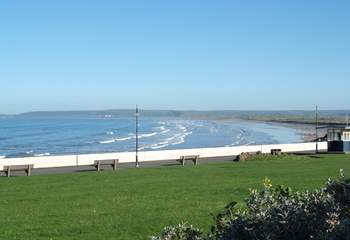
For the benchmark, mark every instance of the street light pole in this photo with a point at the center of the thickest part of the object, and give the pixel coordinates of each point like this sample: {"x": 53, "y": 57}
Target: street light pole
{"x": 316, "y": 129}
{"x": 137, "y": 114}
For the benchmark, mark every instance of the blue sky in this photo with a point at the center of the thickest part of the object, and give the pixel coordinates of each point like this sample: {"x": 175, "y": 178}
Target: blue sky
{"x": 258, "y": 55}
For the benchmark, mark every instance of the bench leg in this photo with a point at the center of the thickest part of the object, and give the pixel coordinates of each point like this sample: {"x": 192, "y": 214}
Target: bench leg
{"x": 195, "y": 161}
{"x": 98, "y": 166}
{"x": 28, "y": 171}
{"x": 8, "y": 172}
{"x": 115, "y": 165}
{"x": 183, "y": 162}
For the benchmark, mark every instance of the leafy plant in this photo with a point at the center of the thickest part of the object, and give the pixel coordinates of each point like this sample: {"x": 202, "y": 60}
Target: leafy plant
{"x": 182, "y": 231}
{"x": 278, "y": 213}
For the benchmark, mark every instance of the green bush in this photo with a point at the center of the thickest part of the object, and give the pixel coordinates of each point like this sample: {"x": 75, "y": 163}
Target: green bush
{"x": 280, "y": 213}
{"x": 258, "y": 156}
{"x": 340, "y": 190}
{"x": 180, "y": 232}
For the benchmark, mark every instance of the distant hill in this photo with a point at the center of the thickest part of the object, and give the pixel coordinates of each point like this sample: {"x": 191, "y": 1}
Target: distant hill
{"x": 4, "y": 116}
{"x": 294, "y": 116}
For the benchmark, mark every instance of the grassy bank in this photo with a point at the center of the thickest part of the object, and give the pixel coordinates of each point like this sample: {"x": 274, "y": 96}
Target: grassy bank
{"x": 136, "y": 203}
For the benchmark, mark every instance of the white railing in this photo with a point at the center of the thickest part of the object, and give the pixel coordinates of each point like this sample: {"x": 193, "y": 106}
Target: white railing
{"x": 144, "y": 156}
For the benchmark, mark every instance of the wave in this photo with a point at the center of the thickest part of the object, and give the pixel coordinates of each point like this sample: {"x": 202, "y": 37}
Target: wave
{"x": 110, "y": 133}
{"x": 236, "y": 143}
{"x": 182, "y": 138}
{"x": 161, "y": 128}
{"x": 250, "y": 142}
{"x": 158, "y": 146}
{"x": 107, "y": 141}
{"x": 115, "y": 140}
{"x": 241, "y": 138}
{"x": 148, "y": 135}
{"x": 181, "y": 127}
{"x": 178, "y": 135}
{"x": 2, "y": 157}
{"x": 165, "y": 131}
{"x": 123, "y": 139}
{"x": 178, "y": 138}
{"x": 41, "y": 154}
{"x": 145, "y": 135}
{"x": 242, "y": 131}
{"x": 178, "y": 142}
{"x": 163, "y": 143}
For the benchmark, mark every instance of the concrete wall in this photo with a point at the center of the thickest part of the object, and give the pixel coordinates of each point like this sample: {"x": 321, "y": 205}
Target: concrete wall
{"x": 144, "y": 156}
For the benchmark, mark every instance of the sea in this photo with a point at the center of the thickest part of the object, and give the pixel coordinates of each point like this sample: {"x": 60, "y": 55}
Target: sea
{"x": 23, "y": 137}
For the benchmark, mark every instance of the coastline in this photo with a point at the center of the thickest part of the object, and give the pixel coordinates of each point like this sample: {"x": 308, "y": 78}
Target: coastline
{"x": 305, "y": 130}
{"x": 292, "y": 133}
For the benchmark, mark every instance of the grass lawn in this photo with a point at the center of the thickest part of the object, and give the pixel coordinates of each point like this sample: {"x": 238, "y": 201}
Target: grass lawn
{"x": 137, "y": 203}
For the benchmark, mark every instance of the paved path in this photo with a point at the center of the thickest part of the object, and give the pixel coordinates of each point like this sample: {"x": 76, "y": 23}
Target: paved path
{"x": 60, "y": 170}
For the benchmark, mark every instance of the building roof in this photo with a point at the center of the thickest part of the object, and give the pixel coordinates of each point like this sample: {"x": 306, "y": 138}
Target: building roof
{"x": 333, "y": 127}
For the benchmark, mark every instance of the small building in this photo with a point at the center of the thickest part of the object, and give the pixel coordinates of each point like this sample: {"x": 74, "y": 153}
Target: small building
{"x": 338, "y": 139}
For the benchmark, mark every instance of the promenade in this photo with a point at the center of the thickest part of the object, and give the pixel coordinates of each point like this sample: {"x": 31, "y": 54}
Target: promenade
{"x": 84, "y": 162}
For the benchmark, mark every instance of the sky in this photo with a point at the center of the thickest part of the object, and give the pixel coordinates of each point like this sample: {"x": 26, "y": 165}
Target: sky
{"x": 183, "y": 54}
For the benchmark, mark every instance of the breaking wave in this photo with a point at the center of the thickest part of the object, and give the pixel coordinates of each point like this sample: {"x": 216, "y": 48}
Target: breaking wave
{"x": 158, "y": 146}
{"x": 165, "y": 131}
{"x": 148, "y": 135}
{"x": 107, "y": 141}
{"x": 41, "y": 154}
{"x": 115, "y": 140}
{"x": 122, "y": 139}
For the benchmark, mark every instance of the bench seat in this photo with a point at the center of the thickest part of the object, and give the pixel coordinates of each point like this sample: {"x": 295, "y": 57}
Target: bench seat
{"x": 276, "y": 151}
{"x": 12, "y": 168}
{"x": 108, "y": 162}
{"x": 185, "y": 158}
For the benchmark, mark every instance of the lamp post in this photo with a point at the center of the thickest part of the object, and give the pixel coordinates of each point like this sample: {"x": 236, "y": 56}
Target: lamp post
{"x": 137, "y": 114}
{"x": 316, "y": 129}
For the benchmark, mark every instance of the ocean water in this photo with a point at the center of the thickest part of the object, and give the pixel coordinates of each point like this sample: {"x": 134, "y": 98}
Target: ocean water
{"x": 39, "y": 137}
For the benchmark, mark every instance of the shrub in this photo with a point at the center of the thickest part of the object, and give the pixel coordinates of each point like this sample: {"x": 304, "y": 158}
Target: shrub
{"x": 180, "y": 232}
{"x": 340, "y": 190}
{"x": 258, "y": 156}
{"x": 278, "y": 213}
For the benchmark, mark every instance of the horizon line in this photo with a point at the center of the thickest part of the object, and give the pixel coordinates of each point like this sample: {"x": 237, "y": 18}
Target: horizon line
{"x": 176, "y": 110}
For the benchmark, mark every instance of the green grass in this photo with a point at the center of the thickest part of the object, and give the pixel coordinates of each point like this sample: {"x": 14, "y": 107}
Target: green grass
{"x": 137, "y": 203}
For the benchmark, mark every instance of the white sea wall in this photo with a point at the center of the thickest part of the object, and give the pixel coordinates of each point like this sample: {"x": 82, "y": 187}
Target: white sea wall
{"x": 145, "y": 156}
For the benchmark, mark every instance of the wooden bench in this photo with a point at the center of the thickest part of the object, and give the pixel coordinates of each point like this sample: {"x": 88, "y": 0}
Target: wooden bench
{"x": 108, "y": 162}
{"x": 12, "y": 168}
{"x": 193, "y": 158}
{"x": 276, "y": 151}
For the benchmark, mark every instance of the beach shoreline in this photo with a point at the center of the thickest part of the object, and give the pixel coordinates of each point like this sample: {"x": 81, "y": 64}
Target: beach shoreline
{"x": 306, "y": 131}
